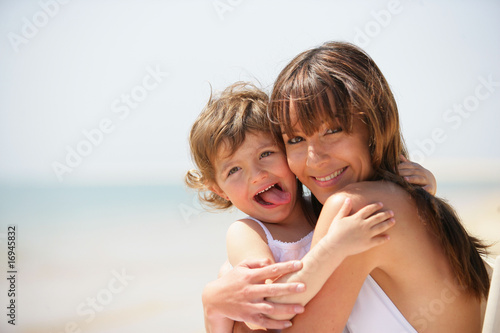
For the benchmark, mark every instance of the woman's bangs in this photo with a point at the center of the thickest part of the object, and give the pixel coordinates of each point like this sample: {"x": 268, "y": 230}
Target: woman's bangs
{"x": 312, "y": 106}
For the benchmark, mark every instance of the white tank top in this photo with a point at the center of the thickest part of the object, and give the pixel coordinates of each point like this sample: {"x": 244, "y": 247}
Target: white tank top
{"x": 374, "y": 312}
{"x": 284, "y": 251}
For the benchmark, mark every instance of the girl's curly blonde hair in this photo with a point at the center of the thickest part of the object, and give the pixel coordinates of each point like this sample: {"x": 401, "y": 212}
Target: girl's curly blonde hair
{"x": 225, "y": 120}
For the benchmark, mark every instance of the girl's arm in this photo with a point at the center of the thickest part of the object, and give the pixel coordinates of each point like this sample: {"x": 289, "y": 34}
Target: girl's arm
{"x": 246, "y": 240}
{"x": 347, "y": 235}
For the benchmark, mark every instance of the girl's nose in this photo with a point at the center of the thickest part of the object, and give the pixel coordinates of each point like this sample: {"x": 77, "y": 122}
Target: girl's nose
{"x": 258, "y": 174}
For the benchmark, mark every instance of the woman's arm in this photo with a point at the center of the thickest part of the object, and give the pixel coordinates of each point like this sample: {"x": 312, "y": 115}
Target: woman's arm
{"x": 239, "y": 295}
{"x": 245, "y": 241}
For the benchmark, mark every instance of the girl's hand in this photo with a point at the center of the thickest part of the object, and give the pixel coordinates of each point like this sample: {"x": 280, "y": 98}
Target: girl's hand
{"x": 352, "y": 234}
{"x": 240, "y": 294}
{"x": 416, "y": 174}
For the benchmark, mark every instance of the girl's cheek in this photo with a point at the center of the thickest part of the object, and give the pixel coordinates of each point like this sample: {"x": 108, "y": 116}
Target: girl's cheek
{"x": 294, "y": 162}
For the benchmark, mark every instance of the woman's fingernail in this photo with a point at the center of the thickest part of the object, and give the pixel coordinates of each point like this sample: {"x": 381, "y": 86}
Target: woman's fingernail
{"x": 298, "y": 309}
{"x": 297, "y": 264}
{"x": 288, "y": 324}
{"x": 301, "y": 287}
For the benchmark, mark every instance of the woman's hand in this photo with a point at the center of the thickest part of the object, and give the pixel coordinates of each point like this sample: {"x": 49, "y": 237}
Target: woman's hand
{"x": 239, "y": 295}
{"x": 416, "y": 174}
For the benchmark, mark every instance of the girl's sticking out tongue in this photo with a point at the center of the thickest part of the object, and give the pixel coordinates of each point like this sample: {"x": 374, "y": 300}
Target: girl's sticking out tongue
{"x": 273, "y": 196}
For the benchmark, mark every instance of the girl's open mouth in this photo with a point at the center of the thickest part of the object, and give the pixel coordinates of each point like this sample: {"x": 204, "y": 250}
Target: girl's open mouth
{"x": 272, "y": 195}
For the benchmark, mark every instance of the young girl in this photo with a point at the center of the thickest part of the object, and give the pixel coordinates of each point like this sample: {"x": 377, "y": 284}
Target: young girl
{"x": 240, "y": 164}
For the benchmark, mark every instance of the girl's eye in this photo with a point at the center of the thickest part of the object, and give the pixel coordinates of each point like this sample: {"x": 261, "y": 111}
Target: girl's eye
{"x": 265, "y": 154}
{"x": 233, "y": 170}
{"x": 332, "y": 131}
{"x": 295, "y": 140}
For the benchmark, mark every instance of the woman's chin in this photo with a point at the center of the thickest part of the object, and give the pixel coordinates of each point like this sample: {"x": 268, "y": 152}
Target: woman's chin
{"x": 322, "y": 196}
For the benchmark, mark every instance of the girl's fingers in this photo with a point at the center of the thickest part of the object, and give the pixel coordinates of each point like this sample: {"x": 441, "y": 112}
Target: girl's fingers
{"x": 345, "y": 209}
{"x": 405, "y": 169}
{"x": 369, "y": 210}
{"x": 379, "y": 240}
{"x": 415, "y": 179}
{"x": 403, "y": 158}
{"x": 379, "y": 217}
{"x": 383, "y": 226}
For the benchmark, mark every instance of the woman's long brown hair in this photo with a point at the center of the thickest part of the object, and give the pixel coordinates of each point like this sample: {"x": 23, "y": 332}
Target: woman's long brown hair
{"x": 338, "y": 81}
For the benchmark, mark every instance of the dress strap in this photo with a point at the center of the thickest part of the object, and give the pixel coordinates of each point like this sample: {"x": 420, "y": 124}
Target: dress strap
{"x": 268, "y": 234}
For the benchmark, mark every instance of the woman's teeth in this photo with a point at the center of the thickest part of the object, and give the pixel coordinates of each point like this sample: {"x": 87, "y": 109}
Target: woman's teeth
{"x": 333, "y": 175}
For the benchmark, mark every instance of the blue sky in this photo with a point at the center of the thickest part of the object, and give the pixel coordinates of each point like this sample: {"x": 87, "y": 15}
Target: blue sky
{"x": 96, "y": 92}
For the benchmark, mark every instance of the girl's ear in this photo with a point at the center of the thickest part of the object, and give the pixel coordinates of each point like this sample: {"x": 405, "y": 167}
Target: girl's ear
{"x": 217, "y": 190}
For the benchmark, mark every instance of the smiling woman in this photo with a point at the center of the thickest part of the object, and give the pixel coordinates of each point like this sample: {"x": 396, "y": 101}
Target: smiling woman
{"x": 338, "y": 119}
{"x": 310, "y": 157}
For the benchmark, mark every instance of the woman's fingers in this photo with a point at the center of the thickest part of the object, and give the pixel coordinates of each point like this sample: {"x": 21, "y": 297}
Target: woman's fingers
{"x": 256, "y": 263}
{"x": 263, "y": 321}
{"x": 275, "y": 270}
{"x": 264, "y": 309}
{"x": 261, "y": 291}
{"x": 278, "y": 309}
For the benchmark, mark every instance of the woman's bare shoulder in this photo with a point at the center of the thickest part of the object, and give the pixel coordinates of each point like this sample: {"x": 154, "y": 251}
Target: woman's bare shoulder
{"x": 363, "y": 193}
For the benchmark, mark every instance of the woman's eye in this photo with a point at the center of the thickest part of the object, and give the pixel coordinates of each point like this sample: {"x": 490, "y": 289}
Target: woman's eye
{"x": 334, "y": 130}
{"x": 233, "y": 170}
{"x": 294, "y": 140}
{"x": 265, "y": 154}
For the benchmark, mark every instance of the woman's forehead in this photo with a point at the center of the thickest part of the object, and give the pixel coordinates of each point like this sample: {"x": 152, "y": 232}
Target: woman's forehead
{"x": 302, "y": 120}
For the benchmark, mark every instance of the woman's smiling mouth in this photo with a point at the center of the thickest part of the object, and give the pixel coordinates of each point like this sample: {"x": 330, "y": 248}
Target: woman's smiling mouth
{"x": 330, "y": 176}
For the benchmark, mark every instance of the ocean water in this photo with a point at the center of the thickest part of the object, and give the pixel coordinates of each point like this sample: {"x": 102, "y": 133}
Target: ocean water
{"x": 72, "y": 243}
{"x": 135, "y": 259}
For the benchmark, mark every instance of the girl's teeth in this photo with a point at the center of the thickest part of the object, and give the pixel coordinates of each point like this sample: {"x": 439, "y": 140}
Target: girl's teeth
{"x": 264, "y": 190}
{"x": 333, "y": 175}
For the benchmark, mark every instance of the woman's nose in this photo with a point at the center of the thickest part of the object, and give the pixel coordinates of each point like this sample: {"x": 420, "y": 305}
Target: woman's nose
{"x": 316, "y": 154}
